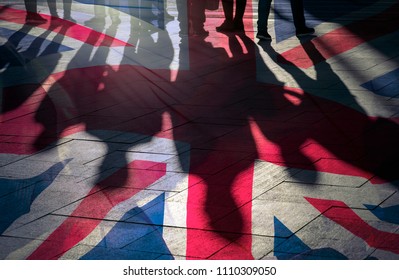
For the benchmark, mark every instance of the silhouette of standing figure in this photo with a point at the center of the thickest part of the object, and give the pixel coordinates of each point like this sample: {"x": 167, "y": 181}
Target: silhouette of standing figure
{"x": 197, "y": 18}
{"x": 100, "y": 13}
{"x": 32, "y": 17}
{"x": 232, "y": 23}
{"x": 67, "y": 4}
{"x": 298, "y": 15}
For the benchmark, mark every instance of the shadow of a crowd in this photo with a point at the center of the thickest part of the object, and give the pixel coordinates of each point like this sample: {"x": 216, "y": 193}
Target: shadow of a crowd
{"x": 217, "y": 105}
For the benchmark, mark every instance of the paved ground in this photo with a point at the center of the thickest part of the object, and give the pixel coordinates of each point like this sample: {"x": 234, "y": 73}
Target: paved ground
{"x": 127, "y": 139}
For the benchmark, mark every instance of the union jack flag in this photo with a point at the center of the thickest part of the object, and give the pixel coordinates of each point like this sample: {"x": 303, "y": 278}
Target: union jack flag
{"x": 123, "y": 137}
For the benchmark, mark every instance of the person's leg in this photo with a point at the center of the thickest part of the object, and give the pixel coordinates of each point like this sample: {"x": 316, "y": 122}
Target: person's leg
{"x": 114, "y": 12}
{"x": 239, "y": 15}
{"x": 228, "y": 9}
{"x": 263, "y": 16}
{"x": 99, "y": 15}
{"x": 197, "y": 17}
{"x": 31, "y": 6}
{"x": 67, "y": 9}
{"x": 52, "y": 7}
{"x": 298, "y": 14}
{"x": 183, "y": 15}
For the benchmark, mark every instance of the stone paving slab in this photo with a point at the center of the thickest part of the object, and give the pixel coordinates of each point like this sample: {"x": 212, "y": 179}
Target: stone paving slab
{"x": 129, "y": 137}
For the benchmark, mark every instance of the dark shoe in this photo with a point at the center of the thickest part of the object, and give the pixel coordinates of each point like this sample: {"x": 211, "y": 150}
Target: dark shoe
{"x": 95, "y": 22}
{"x": 238, "y": 25}
{"x": 304, "y": 31}
{"x": 69, "y": 18}
{"x": 33, "y": 18}
{"x": 226, "y": 26}
{"x": 263, "y": 35}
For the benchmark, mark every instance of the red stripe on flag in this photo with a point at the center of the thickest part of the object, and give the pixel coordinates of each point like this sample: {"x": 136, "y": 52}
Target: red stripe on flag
{"x": 343, "y": 39}
{"x": 70, "y": 29}
{"x": 101, "y": 199}
{"x": 341, "y": 214}
{"x": 219, "y": 211}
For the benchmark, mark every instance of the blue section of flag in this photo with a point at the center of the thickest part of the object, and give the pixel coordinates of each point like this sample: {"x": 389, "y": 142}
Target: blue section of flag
{"x": 17, "y": 196}
{"x": 385, "y": 85}
{"x": 295, "y": 248}
{"x": 138, "y": 235}
{"x": 30, "y": 47}
{"x": 153, "y": 210}
{"x": 386, "y": 214}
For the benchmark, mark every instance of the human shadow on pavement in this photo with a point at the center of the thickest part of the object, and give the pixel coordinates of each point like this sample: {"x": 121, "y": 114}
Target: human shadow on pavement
{"x": 229, "y": 119}
{"x": 366, "y": 143}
